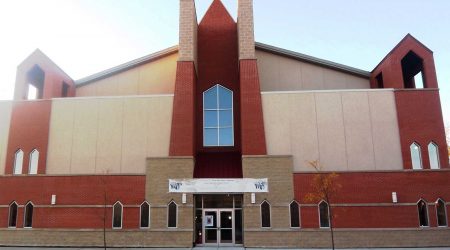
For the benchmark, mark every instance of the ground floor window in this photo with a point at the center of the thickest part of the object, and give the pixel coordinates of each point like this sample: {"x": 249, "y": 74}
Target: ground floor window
{"x": 294, "y": 210}
{"x": 441, "y": 213}
{"x": 172, "y": 214}
{"x": 324, "y": 214}
{"x": 28, "y": 218}
{"x": 145, "y": 215}
{"x": 423, "y": 213}
{"x": 265, "y": 214}
{"x": 12, "y": 221}
{"x": 117, "y": 215}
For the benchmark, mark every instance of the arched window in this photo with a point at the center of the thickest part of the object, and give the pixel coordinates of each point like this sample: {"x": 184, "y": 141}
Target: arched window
{"x": 422, "y": 208}
{"x": 28, "y": 215}
{"x": 324, "y": 214}
{"x": 172, "y": 214}
{"x": 12, "y": 218}
{"x": 433, "y": 154}
{"x": 218, "y": 117}
{"x": 34, "y": 159}
{"x": 416, "y": 158}
{"x": 18, "y": 162}
{"x": 145, "y": 215}
{"x": 294, "y": 210}
{"x": 265, "y": 214}
{"x": 117, "y": 215}
{"x": 441, "y": 213}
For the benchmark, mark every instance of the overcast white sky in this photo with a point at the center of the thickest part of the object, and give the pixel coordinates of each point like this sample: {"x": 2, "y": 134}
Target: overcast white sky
{"x": 86, "y": 36}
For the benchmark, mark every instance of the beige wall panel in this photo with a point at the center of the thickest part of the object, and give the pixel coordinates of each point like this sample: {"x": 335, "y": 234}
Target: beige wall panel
{"x": 109, "y": 138}
{"x": 85, "y": 130}
{"x": 386, "y": 136}
{"x": 127, "y": 82}
{"x": 267, "y": 70}
{"x": 289, "y": 74}
{"x": 280, "y": 73}
{"x": 312, "y": 77}
{"x": 5, "y": 119}
{"x": 334, "y": 79}
{"x": 331, "y": 131}
{"x": 158, "y": 77}
{"x": 303, "y": 125}
{"x": 277, "y": 124}
{"x": 60, "y": 137}
{"x": 87, "y": 90}
{"x": 354, "y": 82}
{"x": 358, "y": 133}
{"x": 159, "y": 125}
{"x": 134, "y": 139}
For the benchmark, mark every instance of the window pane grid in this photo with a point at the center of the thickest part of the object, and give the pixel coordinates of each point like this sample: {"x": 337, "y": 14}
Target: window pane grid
{"x": 219, "y": 132}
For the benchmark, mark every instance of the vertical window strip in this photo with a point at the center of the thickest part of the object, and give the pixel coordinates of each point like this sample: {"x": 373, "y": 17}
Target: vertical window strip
{"x": 117, "y": 215}
{"x": 28, "y": 215}
{"x": 423, "y": 213}
{"x": 265, "y": 214}
{"x": 441, "y": 213}
{"x": 12, "y": 218}
{"x": 172, "y": 215}
{"x": 324, "y": 214}
{"x": 145, "y": 215}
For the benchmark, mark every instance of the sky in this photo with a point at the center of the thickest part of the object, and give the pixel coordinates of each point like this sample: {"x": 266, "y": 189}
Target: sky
{"x": 84, "y": 37}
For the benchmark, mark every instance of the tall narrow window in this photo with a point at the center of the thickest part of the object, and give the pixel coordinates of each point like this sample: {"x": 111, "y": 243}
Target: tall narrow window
{"x": 28, "y": 218}
{"x": 12, "y": 218}
{"x": 324, "y": 214}
{"x": 145, "y": 215}
{"x": 265, "y": 214}
{"x": 441, "y": 213}
{"x": 412, "y": 70}
{"x": 379, "y": 79}
{"x": 423, "y": 213}
{"x": 172, "y": 213}
{"x": 416, "y": 158}
{"x": 117, "y": 215}
{"x": 294, "y": 210}
{"x": 34, "y": 160}
{"x": 18, "y": 162}
{"x": 218, "y": 117}
{"x": 65, "y": 90}
{"x": 433, "y": 154}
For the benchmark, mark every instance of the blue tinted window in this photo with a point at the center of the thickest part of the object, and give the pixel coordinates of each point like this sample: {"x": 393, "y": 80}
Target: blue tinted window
{"x": 210, "y": 137}
{"x": 218, "y": 117}
{"x": 211, "y": 119}
{"x": 210, "y": 98}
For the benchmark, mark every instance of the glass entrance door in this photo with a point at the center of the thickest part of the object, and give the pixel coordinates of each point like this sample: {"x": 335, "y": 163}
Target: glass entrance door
{"x": 218, "y": 227}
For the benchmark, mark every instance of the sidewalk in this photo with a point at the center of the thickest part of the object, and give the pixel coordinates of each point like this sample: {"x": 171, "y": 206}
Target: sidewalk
{"x": 212, "y": 248}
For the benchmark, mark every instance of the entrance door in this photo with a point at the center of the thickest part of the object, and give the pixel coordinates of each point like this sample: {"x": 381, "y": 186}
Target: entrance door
{"x": 218, "y": 227}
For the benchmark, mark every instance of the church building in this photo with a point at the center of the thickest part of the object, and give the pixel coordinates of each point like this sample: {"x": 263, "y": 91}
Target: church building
{"x": 213, "y": 142}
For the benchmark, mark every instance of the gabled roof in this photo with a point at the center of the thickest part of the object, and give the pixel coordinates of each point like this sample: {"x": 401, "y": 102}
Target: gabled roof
{"x": 260, "y": 46}
{"x": 40, "y": 58}
{"x": 126, "y": 66}
{"x": 313, "y": 60}
{"x": 408, "y": 36}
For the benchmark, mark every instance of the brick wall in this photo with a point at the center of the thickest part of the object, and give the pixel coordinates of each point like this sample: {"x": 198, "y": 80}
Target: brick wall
{"x": 188, "y": 32}
{"x": 246, "y": 30}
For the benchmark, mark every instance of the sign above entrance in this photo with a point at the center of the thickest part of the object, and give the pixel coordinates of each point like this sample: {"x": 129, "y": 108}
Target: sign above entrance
{"x": 246, "y": 185}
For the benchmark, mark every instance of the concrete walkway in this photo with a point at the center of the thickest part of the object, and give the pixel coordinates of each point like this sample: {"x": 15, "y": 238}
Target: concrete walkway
{"x": 212, "y": 248}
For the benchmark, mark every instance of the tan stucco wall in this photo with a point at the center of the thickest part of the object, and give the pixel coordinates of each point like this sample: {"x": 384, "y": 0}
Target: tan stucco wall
{"x": 156, "y": 77}
{"x": 5, "y": 119}
{"x": 345, "y": 130}
{"x": 279, "y": 73}
{"x": 108, "y": 135}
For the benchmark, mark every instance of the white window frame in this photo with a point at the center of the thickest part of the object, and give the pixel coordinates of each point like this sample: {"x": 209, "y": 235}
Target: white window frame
{"x": 25, "y": 214}
{"x": 299, "y": 215}
{"x": 318, "y": 210}
{"x": 32, "y": 154}
{"x": 17, "y": 166}
{"x": 9, "y": 213}
{"x": 261, "y": 215}
{"x": 140, "y": 214}
{"x": 420, "y": 155}
{"x": 445, "y": 211}
{"x": 121, "y": 215}
{"x": 176, "y": 214}
{"x": 218, "y": 117}
{"x": 418, "y": 213}
{"x": 437, "y": 154}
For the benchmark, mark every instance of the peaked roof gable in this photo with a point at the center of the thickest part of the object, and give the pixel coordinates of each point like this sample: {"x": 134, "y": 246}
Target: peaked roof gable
{"x": 216, "y": 11}
{"x": 38, "y": 57}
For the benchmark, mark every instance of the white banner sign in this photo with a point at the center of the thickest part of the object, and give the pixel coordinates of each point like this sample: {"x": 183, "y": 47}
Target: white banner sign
{"x": 245, "y": 185}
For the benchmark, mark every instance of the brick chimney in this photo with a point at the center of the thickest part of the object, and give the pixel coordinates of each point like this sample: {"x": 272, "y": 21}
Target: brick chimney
{"x": 246, "y": 34}
{"x": 188, "y": 32}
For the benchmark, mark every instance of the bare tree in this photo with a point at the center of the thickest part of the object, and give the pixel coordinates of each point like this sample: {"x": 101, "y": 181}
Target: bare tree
{"x": 324, "y": 187}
